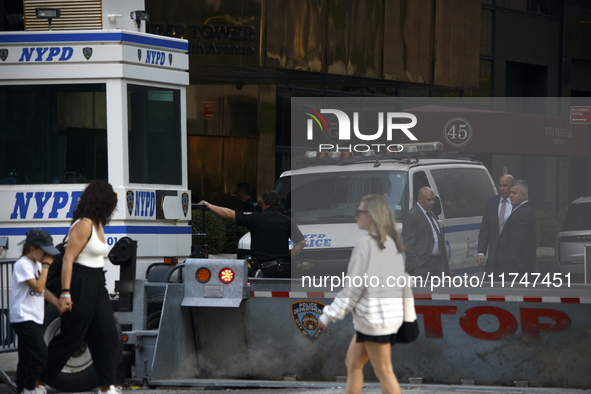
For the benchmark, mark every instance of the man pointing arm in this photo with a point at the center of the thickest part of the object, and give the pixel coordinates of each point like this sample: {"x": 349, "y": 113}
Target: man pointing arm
{"x": 270, "y": 232}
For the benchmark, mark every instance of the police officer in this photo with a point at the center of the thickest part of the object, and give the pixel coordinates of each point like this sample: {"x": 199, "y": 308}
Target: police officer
{"x": 270, "y": 231}
{"x": 243, "y": 195}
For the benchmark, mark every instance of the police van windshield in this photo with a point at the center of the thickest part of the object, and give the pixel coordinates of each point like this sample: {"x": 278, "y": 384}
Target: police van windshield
{"x": 334, "y": 197}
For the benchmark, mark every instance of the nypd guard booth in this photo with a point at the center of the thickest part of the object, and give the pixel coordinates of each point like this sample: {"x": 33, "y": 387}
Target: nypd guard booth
{"x": 95, "y": 104}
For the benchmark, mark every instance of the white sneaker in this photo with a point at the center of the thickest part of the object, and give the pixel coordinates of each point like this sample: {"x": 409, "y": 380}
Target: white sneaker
{"x": 112, "y": 390}
{"x": 38, "y": 390}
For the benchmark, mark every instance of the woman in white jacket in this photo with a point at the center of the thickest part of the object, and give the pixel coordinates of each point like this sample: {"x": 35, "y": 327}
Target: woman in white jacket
{"x": 372, "y": 295}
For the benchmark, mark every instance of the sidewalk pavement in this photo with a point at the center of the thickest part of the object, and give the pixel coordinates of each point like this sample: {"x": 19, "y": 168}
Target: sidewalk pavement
{"x": 237, "y": 386}
{"x": 372, "y": 388}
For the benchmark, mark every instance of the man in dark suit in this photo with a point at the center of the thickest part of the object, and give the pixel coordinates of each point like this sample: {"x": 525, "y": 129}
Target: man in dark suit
{"x": 516, "y": 251}
{"x": 496, "y": 212}
{"x": 422, "y": 236}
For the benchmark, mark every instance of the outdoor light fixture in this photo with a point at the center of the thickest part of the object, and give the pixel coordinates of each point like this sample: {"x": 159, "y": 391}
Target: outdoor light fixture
{"x": 139, "y": 16}
{"x": 47, "y": 13}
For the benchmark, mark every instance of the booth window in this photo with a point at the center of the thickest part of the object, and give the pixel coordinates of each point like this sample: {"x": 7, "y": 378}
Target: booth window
{"x": 53, "y": 134}
{"x": 154, "y": 136}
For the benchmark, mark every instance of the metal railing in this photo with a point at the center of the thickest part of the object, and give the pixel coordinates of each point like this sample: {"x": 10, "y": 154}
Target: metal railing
{"x": 8, "y": 342}
{"x": 7, "y": 335}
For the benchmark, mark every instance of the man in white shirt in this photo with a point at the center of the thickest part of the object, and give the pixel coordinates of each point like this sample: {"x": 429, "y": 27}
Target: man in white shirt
{"x": 496, "y": 212}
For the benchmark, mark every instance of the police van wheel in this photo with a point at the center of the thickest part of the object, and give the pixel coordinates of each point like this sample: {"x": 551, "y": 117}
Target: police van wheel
{"x": 78, "y": 374}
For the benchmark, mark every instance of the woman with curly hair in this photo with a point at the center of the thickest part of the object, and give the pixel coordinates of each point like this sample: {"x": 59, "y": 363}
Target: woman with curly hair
{"x": 84, "y": 301}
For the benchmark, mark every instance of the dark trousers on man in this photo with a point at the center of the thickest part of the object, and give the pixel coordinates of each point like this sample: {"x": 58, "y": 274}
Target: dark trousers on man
{"x": 282, "y": 270}
{"x": 90, "y": 320}
{"x": 434, "y": 266}
{"x": 32, "y": 354}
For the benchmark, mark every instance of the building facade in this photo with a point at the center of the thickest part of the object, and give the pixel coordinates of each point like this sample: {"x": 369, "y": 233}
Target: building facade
{"x": 248, "y": 58}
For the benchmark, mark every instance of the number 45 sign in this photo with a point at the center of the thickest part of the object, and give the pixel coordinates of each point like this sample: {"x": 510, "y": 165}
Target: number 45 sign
{"x": 457, "y": 132}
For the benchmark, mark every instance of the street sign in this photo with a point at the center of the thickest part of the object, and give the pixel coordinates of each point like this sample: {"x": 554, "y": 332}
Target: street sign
{"x": 580, "y": 115}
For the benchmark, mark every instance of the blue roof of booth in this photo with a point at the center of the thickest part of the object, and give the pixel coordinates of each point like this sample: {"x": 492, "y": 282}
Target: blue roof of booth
{"x": 94, "y": 37}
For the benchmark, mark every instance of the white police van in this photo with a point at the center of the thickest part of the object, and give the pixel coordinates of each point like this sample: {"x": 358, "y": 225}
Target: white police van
{"x": 322, "y": 194}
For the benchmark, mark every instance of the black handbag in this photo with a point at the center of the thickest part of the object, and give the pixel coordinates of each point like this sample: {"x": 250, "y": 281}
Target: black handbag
{"x": 54, "y": 274}
{"x": 409, "y": 330}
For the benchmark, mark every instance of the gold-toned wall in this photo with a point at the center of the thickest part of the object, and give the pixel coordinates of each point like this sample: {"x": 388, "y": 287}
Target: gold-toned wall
{"x": 409, "y": 40}
{"x": 433, "y": 42}
{"x": 238, "y": 47}
{"x": 217, "y": 164}
{"x": 222, "y": 110}
{"x": 355, "y": 38}
{"x": 220, "y": 32}
{"x": 295, "y": 34}
{"x": 224, "y": 134}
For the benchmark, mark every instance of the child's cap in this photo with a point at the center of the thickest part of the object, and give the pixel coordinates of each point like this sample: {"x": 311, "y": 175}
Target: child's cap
{"x": 42, "y": 239}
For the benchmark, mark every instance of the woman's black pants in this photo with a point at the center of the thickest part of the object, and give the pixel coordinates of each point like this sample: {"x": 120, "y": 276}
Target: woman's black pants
{"x": 90, "y": 320}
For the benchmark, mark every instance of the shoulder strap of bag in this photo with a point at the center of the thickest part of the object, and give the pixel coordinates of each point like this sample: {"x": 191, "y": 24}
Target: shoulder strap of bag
{"x": 410, "y": 314}
{"x": 68, "y": 233}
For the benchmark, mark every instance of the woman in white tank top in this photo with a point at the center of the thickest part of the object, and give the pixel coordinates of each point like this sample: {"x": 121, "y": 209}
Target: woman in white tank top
{"x": 94, "y": 251}
{"x": 84, "y": 300}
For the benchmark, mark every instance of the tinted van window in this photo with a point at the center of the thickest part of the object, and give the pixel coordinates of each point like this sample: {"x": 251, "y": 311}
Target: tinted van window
{"x": 333, "y": 197}
{"x": 463, "y": 191}
{"x": 578, "y": 217}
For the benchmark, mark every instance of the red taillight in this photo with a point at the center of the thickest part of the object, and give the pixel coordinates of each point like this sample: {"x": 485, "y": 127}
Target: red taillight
{"x": 171, "y": 260}
{"x": 226, "y": 275}
{"x": 203, "y": 275}
{"x": 125, "y": 338}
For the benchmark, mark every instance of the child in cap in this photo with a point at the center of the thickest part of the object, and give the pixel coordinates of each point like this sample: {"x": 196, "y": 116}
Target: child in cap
{"x": 27, "y": 308}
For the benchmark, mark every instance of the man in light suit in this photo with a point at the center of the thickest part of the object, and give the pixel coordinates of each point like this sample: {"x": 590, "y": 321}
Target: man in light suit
{"x": 423, "y": 238}
{"x": 496, "y": 212}
{"x": 516, "y": 251}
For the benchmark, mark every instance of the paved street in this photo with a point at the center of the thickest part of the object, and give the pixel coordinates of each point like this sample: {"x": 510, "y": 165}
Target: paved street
{"x": 369, "y": 389}
{"x": 217, "y": 386}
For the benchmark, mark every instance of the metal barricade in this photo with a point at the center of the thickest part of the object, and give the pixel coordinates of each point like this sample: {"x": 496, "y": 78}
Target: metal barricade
{"x": 8, "y": 342}
{"x": 7, "y": 335}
